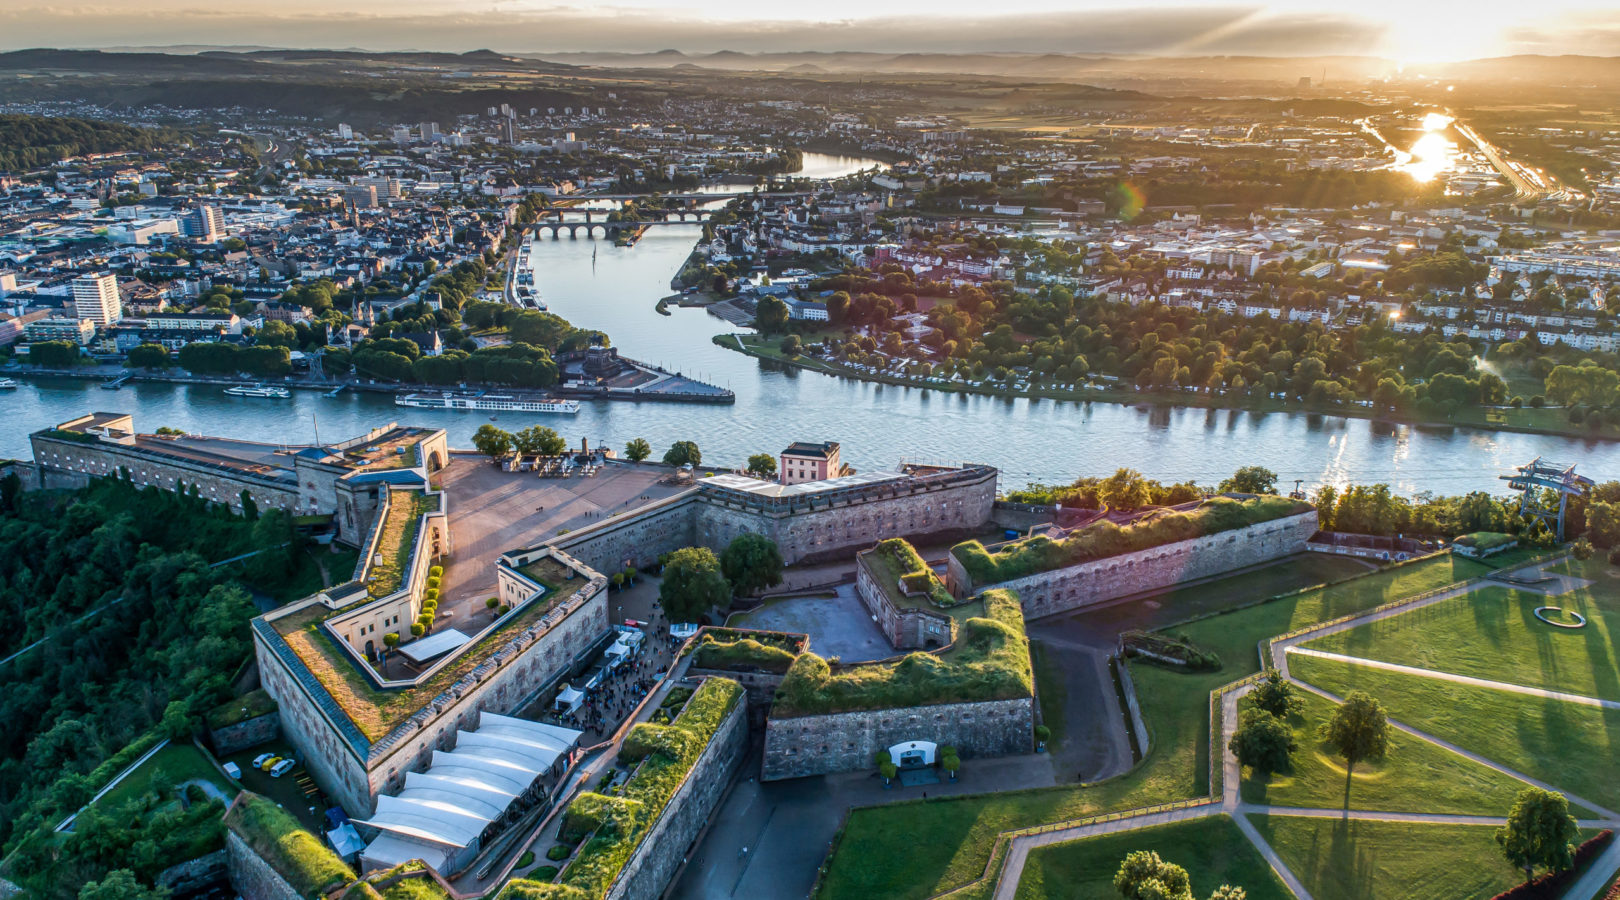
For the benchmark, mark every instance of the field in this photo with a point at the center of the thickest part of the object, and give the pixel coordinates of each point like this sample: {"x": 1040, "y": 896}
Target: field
{"x": 1564, "y": 744}
{"x": 1212, "y": 850}
{"x": 1416, "y": 776}
{"x": 1365, "y": 860}
{"x": 176, "y": 764}
{"x": 904, "y": 854}
{"x": 1494, "y": 634}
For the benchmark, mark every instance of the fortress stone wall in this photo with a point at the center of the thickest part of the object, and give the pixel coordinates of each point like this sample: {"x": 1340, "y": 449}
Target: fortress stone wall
{"x": 353, "y": 768}
{"x": 648, "y": 872}
{"x": 849, "y": 742}
{"x": 1099, "y": 581}
{"x": 907, "y": 628}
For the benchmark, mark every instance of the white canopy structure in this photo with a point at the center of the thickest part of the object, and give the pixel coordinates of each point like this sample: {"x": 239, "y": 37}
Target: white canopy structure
{"x": 569, "y": 699}
{"x": 436, "y": 644}
{"x": 441, "y": 815}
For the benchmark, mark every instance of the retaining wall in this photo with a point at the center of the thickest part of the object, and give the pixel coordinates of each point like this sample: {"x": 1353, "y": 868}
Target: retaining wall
{"x": 653, "y": 863}
{"x": 251, "y": 875}
{"x": 849, "y": 742}
{"x": 246, "y": 733}
{"x": 1101, "y": 580}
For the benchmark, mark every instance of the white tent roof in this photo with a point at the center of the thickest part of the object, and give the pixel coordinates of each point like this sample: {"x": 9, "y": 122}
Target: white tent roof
{"x": 388, "y": 851}
{"x": 467, "y": 788}
{"x": 435, "y": 644}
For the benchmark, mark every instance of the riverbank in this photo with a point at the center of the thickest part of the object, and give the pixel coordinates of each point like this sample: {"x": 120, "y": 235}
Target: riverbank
{"x": 1552, "y": 421}
{"x": 665, "y": 388}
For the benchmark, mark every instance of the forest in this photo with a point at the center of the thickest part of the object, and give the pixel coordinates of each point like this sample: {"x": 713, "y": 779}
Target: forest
{"x": 122, "y": 633}
{"x": 29, "y": 142}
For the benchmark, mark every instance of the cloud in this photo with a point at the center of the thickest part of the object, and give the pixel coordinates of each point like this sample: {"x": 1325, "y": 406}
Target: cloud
{"x": 518, "y": 27}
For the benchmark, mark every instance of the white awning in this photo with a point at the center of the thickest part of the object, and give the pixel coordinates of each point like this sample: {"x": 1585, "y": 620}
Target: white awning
{"x": 437, "y": 644}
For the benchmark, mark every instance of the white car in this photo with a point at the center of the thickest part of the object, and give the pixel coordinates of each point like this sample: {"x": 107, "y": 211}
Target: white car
{"x": 261, "y": 759}
{"x": 283, "y": 767}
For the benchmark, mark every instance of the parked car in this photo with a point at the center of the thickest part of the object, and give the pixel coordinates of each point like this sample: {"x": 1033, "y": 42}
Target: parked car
{"x": 270, "y": 763}
{"x": 261, "y": 759}
{"x": 283, "y": 767}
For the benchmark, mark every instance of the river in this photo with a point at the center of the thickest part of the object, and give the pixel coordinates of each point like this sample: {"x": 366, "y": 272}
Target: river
{"x": 1028, "y": 440}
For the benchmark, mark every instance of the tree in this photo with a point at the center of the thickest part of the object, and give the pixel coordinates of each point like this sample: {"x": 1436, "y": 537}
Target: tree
{"x": 1275, "y": 695}
{"x": 771, "y": 315}
{"x": 693, "y": 585}
{"x": 1251, "y": 480}
{"x": 147, "y": 356}
{"x": 683, "y": 453}
{"x": 391, "y": 640}
{"x": 1228, "y": 892}
{"x": 539, "y": 440}
{"x": 53, "y": 354}
{"x": 418, "y": 629}
{"x": 492, "y": 442}
{"x": 177, "y": 722}
{"x": 950, "y": 762}
{"x": 1144, "y": 876}
{"x": 1359, "y": 730}
{"x": 752, "y": 563}
{"x": 491, "y": 603}
{"x": 120, "y": 884}
{"x": 1263, "y": 742}
{"x": 763, "y": 465}
{"x": 637, "y": 450}
{"x": 792, "y": 345}
{"x": 1540, "y": 832}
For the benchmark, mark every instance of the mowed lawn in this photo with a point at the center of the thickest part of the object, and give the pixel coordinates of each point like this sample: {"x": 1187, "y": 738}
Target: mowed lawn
{"x": 1415, "y": 776}
{"x": 1493, "y": 633}
{"x": 1365, "y": 860}
{"x": 1212, "y": 850}
{"x": 173, "y": 765}
{"x": 1567, "y": 745}
{"x": 915, "y": 851}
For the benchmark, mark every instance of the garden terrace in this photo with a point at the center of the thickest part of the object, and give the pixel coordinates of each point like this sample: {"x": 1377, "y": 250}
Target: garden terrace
{"x": 297, "y": 855}
{"x": 989, "y": 661}
{"x": 746, "y": 650}
{"x": 376, "y": 711}
{"x": 546, "y": 572}
{"x": 1104, "y": 539}
{"x": 663, "y": 756}
{"x": 396, "y": 538}
{"x": 904, "y": 575}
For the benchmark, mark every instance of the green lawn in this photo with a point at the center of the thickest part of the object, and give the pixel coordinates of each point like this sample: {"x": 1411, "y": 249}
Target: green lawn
{"x": 1363, "y": 860}
{"x": 1493, "y": 633}
{"x": 176, "y": 764}
{"x": 898, "y": 851}
{"x": 1212, "y": 850}
{"x": 1051, "y": 689}
{"x": 1564, "y": 744}
{"x": 1416, "y": 776}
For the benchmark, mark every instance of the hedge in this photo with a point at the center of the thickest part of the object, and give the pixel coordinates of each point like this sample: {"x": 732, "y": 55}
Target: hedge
{"x": 741, "y": 655}
{"x": 1552, "y": 885}
{"x": 525, "y": 889}
{"x": 1105, "y": 539}
{"x": 624, "y": 820}
{"x": 988, "y": 661}
{"x": 297, "y": 855}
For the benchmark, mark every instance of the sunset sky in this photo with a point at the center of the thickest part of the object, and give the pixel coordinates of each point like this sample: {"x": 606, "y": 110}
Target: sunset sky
{"x": 1415, "y": 31}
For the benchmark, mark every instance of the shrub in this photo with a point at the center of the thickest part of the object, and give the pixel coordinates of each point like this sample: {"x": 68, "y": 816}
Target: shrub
{"x": 897, "y": 561}
{"x": 1174, "y": 650}
{"x": 622, "y": 821}
{"x": 1105, "y": 539}
{"x": 297, "y": 855}
{"x": 533, "y": 889}
{"x": 436, "y": 572}
{"x": 742, "y": 655}
{"x": 559, "y": 852}
{"x": 989, "y": 661}
{"x": 526, "y": 860}
{"x": 1582, "y": 549}
{"x": 544, "y": 873}
{"x": 1552, "y": 885}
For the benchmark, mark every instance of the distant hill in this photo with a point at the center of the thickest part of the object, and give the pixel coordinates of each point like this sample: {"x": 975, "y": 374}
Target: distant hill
{"x": 29, "y": 142}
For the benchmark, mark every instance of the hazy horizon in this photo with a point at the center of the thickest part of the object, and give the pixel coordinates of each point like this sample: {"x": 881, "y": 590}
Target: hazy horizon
{"x": 1415, "y": 32}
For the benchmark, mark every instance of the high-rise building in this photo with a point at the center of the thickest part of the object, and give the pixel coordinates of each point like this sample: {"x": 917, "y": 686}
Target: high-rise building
{"x": 95, "y": 298}
{"x": 205, "y": 223}
{"x": 387, "y": 188}
{"x": 509, "y": 131}
{"x": 361, "y": 196}
{"x": 345, "y": 132}
{"x": 428, "y": 130}
{"x": 402, "y": 135}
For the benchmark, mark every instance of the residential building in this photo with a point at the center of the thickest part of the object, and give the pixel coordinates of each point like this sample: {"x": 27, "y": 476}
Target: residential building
{"x": 803, "y": 461}
{"x": 95, "y": 298}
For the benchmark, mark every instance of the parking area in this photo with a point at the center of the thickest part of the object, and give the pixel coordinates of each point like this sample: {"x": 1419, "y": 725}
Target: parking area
{"x": 492, "y": 511}
{"x": 293, "y": 791}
